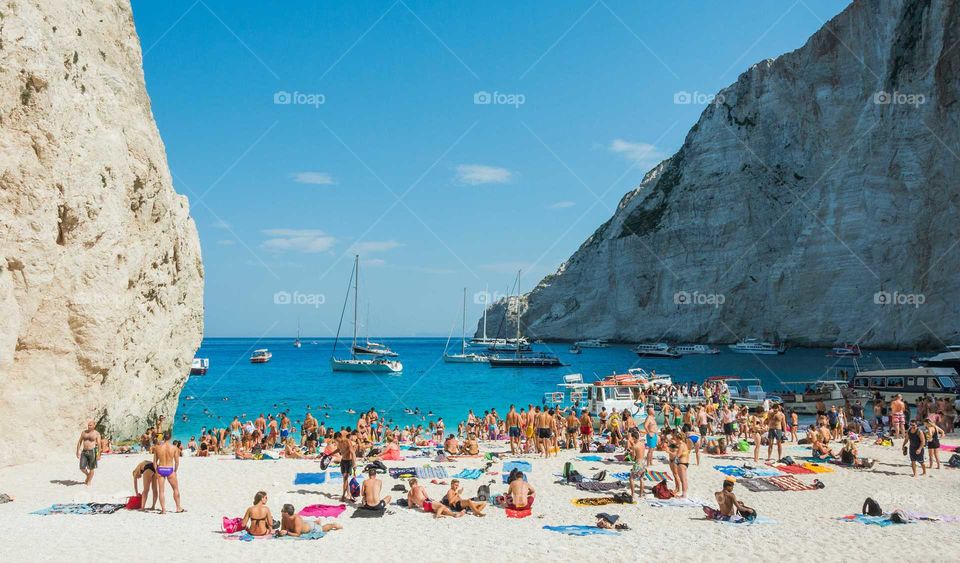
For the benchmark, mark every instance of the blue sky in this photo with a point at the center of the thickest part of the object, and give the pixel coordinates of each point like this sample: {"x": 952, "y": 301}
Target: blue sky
{"x": 449, "y": 143}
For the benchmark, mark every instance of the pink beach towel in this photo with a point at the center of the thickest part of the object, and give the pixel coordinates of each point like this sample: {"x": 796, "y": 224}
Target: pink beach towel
{"x": 392, "y": 455}
{"x": 323, "y": 510}
{"x": 947, "y": 448}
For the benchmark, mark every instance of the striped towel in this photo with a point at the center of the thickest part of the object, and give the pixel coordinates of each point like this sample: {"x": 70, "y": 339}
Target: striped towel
{"x": 791, "y": 483}
{"x": 648, "y": 475}
{"x": 431, "y": 472}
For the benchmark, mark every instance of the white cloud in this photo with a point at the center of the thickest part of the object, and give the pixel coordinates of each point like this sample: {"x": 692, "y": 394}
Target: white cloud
{"x": 478, "y": 174}
{"x": 371, "y": 246}
{"x": 561, "y": 205}
{"x": 373, "y": 262}
{"x": 297, "y": 240}
{"x": 226, "y": 242}
{"x": 220, "y": 224}
{"x": 315, "y": 178}
{"x": 643, "y": 154}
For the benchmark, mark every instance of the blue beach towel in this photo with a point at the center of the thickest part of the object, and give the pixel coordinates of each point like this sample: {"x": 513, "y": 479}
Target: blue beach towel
{"x": 524, "y": 466}
{"x": 590, "y": 458}
{"x": 310, "y": 479}
{"x": 882, "y": 521}
{"x": 581, "y": 530}
{"x": 469, "y": 474}
{"x": 79, "y": 509}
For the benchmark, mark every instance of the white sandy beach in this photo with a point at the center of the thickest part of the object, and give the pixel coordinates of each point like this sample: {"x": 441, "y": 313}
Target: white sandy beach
{"x": 216, "y": 487}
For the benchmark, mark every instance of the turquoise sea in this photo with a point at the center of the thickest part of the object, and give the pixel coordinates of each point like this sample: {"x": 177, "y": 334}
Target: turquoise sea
{"x": 296, "y": 378}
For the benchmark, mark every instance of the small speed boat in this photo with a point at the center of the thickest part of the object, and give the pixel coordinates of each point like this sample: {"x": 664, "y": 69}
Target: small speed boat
{"x": 199, "y": 366}
{"x": 260, "y": 356}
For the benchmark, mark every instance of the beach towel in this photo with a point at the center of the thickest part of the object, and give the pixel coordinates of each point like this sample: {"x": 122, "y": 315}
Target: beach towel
{"x": 598, "y": 501}
{"x": 590, "y": 458}
{"x": 744, "y": 522}
{"x": 947, "y": 448}
{"x": 791, "y": 483}
{"x": 323, "y": 510}
{"x": 732, "y": 470}
{"x": 674, "y": 502}
{"x": 402, "y": 472}
{"x": 581, "y": 530}
{"x": 368, "y": 513}
{"x": 882, "y": 521}
{"x": 310, "y": 478}
{"x": 314, "y": 534}
{"x": 431, "y": 472}
{"x": 80, "y": 508}
{"x": 817, "y": 468}
{"x": 468, "y": 474}
{"x": 524, "y": 466}
{"x": 648, "y": 475}
{"x": 518, "y": 512}
{"x": 246, "y": 536}
{"x": 759, "y": 485}
{"x": 791, "y": 469}
{"x": 599, "y": 487}
{"x": 743, "y": 473}
{"x": 931, "y": 517}
{"x": 392, "y": 455}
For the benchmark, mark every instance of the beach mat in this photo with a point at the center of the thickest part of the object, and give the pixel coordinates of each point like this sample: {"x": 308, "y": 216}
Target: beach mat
{"x": 468, "y": 474}
{"x": 80, "y": 508}
{"x": 581, "y": 530}
{"x": 882, "y": 521}
{"x": 759, "y": 485}
{"x": 323, "y": 510}
{"x": 743, "y": 473}
{"x": 310, "y": 479}
{"x": 589, "y": 458}
{"x": 674, "y": 502}
{"x": 791, "y": 469}
{"x": 817, "y": 467}
{"x": 432, "y": 472}
{"x": 648, "y": 475}
{"x": 596, "y": 501}
{"x": 791, "y": 483}
{"x": 524, "y": 466}
{"x": 402, "y": 472}
{"x": 368, "y": 513}
{"x": 599, "y": 487}
{"x": 518, "y": 512}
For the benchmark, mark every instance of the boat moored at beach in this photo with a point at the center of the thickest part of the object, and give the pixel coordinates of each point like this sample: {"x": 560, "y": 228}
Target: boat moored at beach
{"x": 910, "y": 382}
{"x": 949, "y": 358}
{"x": 199, "y": 366}
{"x": 829, "y": 392}
{"x": 260, "y": 356}
{"x": 656, "y": 350}
{"x": 757, "y": 346}
{"x": 745, "y": 391}
{"x": 463, "y": 357}
{"x": 845, "y": 351}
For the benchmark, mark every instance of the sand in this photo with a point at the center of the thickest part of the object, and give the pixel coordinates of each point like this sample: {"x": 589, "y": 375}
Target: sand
{"x": 215, "y": 487}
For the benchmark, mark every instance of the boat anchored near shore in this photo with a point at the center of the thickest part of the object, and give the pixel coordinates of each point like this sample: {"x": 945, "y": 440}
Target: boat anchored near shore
{"x": 656, "y": 350}
{"x": 757, "y": 346}
{"x": 463, "y": 357}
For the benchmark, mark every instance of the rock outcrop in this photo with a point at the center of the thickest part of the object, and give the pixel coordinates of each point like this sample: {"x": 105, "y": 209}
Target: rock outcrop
{"x": 816, "y": 198}
{"x": 101, "y": 283}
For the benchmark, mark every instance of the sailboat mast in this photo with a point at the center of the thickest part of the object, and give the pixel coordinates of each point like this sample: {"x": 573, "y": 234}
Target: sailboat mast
{"x": 518, "y": 313}
{"x": 463, "y": 325}
{"x": 356, "y": 291}
{"x": 486, "y": 303}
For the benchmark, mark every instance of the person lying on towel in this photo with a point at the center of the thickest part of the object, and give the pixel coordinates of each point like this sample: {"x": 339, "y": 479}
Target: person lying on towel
{"x": 292, "y": 524}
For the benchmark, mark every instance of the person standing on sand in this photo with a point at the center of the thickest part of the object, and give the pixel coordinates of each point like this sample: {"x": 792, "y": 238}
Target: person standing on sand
{"x": 87, "y": 451}
{"x": 652, "y": 433}
{"x": 916, "y": 439}
{"x": 544, "y": 432}
{"x": 776, "y": 427}
{"x": 348, "y": 457}
{"x": 573, "y": 427}
{"x": 513, "y": 429}
{"x": 586, "y": 431}
{"x": 166, "y": 459}
{"x": 898, "y": 416}
{"x": 635, "y": 453}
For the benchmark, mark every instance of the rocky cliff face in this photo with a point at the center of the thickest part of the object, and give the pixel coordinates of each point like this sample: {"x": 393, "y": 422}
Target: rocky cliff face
{"x": 816, "y": 198}
{"x": 101, "y": 283}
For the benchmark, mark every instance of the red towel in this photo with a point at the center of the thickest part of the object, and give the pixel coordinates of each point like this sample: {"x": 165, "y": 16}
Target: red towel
{"x": 518, "y": 513}
{"x": 792, "y": 469}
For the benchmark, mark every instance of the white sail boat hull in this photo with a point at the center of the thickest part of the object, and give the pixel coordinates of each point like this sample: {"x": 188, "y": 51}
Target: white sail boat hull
{"x": 366, "y": 366}
{"x": 465, "y": 359}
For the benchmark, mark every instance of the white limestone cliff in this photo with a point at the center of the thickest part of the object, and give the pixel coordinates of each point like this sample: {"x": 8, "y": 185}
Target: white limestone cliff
{"x": 101, "y": 283}
{"x": 818, "y": 184}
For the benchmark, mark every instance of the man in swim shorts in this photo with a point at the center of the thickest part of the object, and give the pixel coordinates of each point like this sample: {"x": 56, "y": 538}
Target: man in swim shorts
{"x": 652, "y": 430}
{"x": 370, "y": 492}
{"x": 776, "y": 427}
{"x": 166, "y": 459}
{"x": 87, "y": 451}
{"x": 573, "y": 427}
{"x": 544, "y": 432}
{"x": 586, "y": 431}
{"x": 635, "y": 452}
{"x": 898, "y": 417}
{"x": 348, "y": 457}
{"x": 513, "y": 429}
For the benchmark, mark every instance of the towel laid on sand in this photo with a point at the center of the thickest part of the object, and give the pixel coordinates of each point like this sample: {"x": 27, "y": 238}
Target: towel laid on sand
{"x": 432, "y": 472}
{"x": 791, "y": 469}
{"x": 402, "y": 472}
{"x": 648, "y": 475}
{"x": 882, "y": 521}
{"x": 468, "y": 474}
{"x": 601, "y": 501}
{"x": 791, "y": 483}
{"x": 369, "y": 513}
{"x": 744, "y": 522}
{"x": 741, "y": 472}
{"x": 310, "y": 479}
{"x": 80, "y": 508}
{"x": 524, "y": 466}
{"x": 674, "y": 502}
{"x": 597, "y": 487}
{"x": 817, "y": 467}
{"x": 323, "y": 510}
{"x": 759, "y": 485}
{"x": 590, "y": 458}
{"x": 581, "y": 530}
{"x": 518, "y": 512}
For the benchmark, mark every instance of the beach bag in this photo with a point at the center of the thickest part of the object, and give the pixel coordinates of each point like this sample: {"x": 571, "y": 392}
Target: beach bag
{"x": 232, "y": 525}
{"x": 325, "y": 461}
{"x": 747, "y": 513}
{"x": 872, "y": 508}
{"x": 354, "y": 487}
{"x": 662, "y": 491}
{"x": 954, "y": 460}
{"x": 609, "y": 448}
{"x": 743, "y": 446}
{"x": 483, "y": 493}
{"x": 133, "y": 503}
{"x": 567, "y": 470}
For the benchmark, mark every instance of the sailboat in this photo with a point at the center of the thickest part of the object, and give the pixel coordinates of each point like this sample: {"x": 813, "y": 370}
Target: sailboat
{"x": 484, "y": 341}
{"x": 355, "y": 363}
{"x": 370, "y": 348}
{"x": 297, "y": 343}
{"x": 519, "y": 359}
{"x": 463, "y": 357}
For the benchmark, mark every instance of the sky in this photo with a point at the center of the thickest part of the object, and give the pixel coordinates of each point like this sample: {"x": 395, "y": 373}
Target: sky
{"x": 449, "y": 144}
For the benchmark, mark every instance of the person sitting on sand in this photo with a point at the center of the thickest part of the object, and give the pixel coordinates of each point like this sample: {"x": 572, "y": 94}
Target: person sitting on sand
{"x": 451, "y": 446}
{"x": 417, "y": 497}
{"x": 294, "y": 525}
{"x": 727, "y": 502}
{"x": 455, "y": 502}
{"x": 520, "y": 494}
{"x": 470, "y": 445}
{"x": 145, "y": 470}
{"x": 370, "y": 492}
{"x": 290, "y": 449}
{"x": 848, "y": 456}
{"x": 257, "y": 520}
{"x": 820, "y": 449}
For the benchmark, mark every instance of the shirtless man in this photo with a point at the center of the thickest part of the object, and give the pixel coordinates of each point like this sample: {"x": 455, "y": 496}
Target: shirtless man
{"x": 776, "y": 428}
{"x": 235, "y": 433}
{"x": 417, "y": 497}
{"x": 586, "y": 431}
{"x": 513, "y": 429}
{"x": 898, "y": 417}
{"x": 87, "y": 451}
{"x": 544, "y": 432}
{"x": 370, "y": 492}
{"x": 294, "y": 525}
{"x": 348, "y": 458}
{"x": 573, "y": 427}
{"x": 458, "y": 504}
{"x": 635, "y": 449}
{"x": 727, "y": 501}
{"x": 272, "y": 432}
{"x": 166, "y": 459}
{"x": 652, "y": 431}
{"x": 520, "y": 493}
{"x": 451, "y": 446}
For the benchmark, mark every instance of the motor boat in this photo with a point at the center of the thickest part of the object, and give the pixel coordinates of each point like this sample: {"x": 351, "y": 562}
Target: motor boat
{"x": 592, "y": 343}
{"x": 199, "y": 366}
{"x": 757, "y": 346}
{"x": 539, "y": 360}
{"x": 657, "y": 350}
{"x": 845, "y": 351}
{"x": 260, "y": 356}
{"x": 696, "y": 349}
{"x": 949, "y": 358}
{"x": 830, "y": 392}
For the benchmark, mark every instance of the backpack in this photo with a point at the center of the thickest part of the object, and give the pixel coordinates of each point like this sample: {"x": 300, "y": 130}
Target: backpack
{"x": 872, "y": 508}
{"x": 954, "y": 460}
{"x": 567, "y": 470}
{"x": 483, "y": 493}
{"x": 747, "y": 513}
{"x": 354, "y": 487}
{"x": 662, "y": 491}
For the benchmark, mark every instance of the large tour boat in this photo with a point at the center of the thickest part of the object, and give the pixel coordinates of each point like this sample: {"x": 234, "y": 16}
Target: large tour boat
{"x": 949, "y": 358}
{"x": 657, "y": 350}
{"x": 757, "y": 346}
